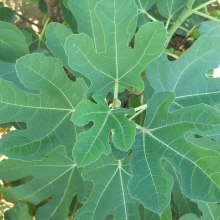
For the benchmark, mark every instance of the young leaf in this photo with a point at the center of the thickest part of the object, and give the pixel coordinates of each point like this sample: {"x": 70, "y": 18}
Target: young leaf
{"x": 55, "y": 177}
{"x": 18, "y": 212}
{"x": 13, "y": 44}
{"x": 47, "y": 113}
{"x": 163, "y": 138}
{"x": 119, "y": 64}
{"x": 186, "y": 75}
{"x": 92, "y": 143}
{"x": 89, "y": 23}
{"x": 110, "y": 194}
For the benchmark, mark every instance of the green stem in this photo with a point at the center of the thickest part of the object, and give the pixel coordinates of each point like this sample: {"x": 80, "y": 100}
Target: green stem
{"x": 136, "y": 114}
{"x": 168, "y": 22}
{"x": 116, "y": 102}
{"x": 149, "y": 16}
{"x": 185, "y": 13}
{"x": 42, "y": 32}
{"x": 172, "y": 55}
{"x": 204, "y": 5}
{"x": 141, "y": 107}
{"x": 204, "y": 15}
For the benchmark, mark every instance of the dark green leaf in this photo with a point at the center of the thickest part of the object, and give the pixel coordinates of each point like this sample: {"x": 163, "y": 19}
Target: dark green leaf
{"x": 7, "y": 15}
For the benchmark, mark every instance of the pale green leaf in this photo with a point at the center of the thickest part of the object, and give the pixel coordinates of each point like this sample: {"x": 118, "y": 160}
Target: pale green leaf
{"x": 186, "y": 75}
{"x": 120, "y": 64}
{"x": 12, "y": 43}
{"x": 18, "y": 212}
{"x": 7, "y": 15}
{"x": 47, "y": 113}
{"x": 55, "y": 178}
{"x": 210, "y": 28}
{"x": 88, "y": 22}
{"x": 95, "y": 141}
{"x": 110, "y": 194}
{"x": 163, "y": 138}
{"x": 167, "y": 8}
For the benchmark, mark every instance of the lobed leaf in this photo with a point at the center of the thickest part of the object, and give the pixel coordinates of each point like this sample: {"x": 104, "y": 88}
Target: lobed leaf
{"x": 92, "y": 143}
{"x": 47, "y": 113}
{"x": 55, "y": 178}
{"x": 118, "y": 65}
{"x": 163, "y": 137}
{"x": 88, "y": 21}
{"x": 179, "y": 76}
{"x": 110, "y": 194}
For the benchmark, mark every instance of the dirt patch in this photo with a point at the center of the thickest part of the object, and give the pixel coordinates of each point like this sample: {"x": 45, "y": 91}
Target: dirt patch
{"x": 31, "y": 13}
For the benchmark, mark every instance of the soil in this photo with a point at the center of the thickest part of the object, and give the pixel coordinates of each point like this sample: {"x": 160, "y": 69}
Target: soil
{"x": 32, "y": 13}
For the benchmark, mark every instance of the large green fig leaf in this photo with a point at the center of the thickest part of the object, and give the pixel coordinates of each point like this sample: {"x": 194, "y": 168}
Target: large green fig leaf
{"x": 110, "y": 194}
{"x": 13, "y": 44}
{"x": 89, "y": 23}
{"x": 55, "y": 178}
{"x": 119, "y": 64}
{"x": 92, "y": 143}
{"x": 186, "y": 75}
{"x": 47, "y": 113}
{"x": 18, "y": 212}
{"x": 163, "y": 137}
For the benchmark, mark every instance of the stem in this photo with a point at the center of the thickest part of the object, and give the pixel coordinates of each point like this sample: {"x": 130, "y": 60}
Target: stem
{"x": 168, "y": 22}
{"x": 204, "y": 5}
{"x": 116, "y": 102}
{"x": 172, "y": 55}
{"x": 137, "y": 113}
{"x": 42, "y": 32}
{"x": 149, "y": 16}
{"x": 141, "y": 107}
{"x": 185, "y": 13}
{"x": 204, "y": 15}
